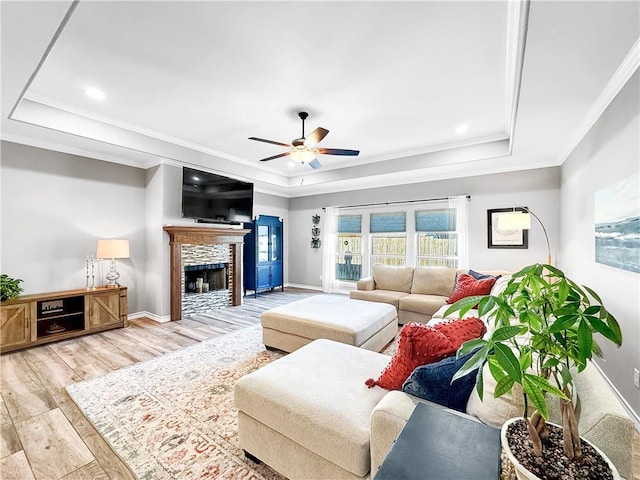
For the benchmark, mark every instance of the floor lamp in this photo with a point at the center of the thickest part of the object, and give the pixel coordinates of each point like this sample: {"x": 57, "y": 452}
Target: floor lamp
{"x": 112, "y": 249}
{"x": 522, "y": 221}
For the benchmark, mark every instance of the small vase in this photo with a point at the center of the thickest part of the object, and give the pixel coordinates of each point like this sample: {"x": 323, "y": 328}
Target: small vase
{"x": 522, "y": 473}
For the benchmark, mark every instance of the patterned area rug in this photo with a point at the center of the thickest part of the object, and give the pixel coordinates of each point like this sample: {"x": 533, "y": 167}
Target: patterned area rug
{"x": 172, "y": 417}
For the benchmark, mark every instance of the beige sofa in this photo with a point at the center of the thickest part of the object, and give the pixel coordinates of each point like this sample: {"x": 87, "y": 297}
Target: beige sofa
{"x": 416, "y": 292}
{"x": 310, "y": 416}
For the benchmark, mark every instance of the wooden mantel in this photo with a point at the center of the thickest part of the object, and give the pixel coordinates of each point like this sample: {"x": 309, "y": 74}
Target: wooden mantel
{"x": 202, "y": 236}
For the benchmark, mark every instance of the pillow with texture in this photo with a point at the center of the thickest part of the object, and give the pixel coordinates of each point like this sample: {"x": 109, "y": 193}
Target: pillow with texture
{"x": 418, "y": 344}
{"x": 461, "y": 330}
{"x": 467, "y": 286}
{"x": 433, "y": 382}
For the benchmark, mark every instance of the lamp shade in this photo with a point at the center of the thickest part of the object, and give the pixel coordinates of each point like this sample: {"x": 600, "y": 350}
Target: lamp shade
{"x": 112, "y": 248}
{"x": 514, "y": 220}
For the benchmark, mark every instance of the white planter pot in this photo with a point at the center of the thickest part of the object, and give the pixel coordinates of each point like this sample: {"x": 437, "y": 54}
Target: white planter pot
{"x": 524, "y": 474}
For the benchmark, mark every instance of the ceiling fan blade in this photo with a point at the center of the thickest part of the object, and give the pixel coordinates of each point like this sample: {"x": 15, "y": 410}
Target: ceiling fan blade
{"x": 275, "y": 156}
{"x": 338, "y": 151}
{"x": 316, "y": 136}
{"x": 270, "y": 141}
{"x": 315, "y": 164}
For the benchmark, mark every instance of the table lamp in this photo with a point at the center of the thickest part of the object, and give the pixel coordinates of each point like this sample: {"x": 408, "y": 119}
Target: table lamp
{"x": 112, "y": 249}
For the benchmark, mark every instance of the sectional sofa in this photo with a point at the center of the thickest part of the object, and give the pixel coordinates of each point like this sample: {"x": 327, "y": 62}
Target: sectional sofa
{"x": 416, "y": 292}
{"x": 309, "y": 415}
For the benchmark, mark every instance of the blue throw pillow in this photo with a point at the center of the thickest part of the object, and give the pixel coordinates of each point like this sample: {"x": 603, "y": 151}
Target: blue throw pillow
{"x": 433, "y": 382}
{"x": 480, "y": 276}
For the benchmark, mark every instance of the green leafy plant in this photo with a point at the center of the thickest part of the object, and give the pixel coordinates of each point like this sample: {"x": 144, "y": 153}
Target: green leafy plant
{"x": 545, "y": 325}
{"x": 9, "y": 287}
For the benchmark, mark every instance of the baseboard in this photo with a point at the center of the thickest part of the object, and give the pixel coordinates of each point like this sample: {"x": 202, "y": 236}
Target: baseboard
{"x": 634, "y": 416}
{"x": 306, "y": 287}
{"x": 152, "y": 316}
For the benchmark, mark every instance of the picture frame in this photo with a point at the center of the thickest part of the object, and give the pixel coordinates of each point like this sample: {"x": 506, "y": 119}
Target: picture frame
{"x": 505, "y": 239}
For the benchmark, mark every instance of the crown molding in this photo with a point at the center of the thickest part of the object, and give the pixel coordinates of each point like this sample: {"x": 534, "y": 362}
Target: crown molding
{"x": 619, "y": 79}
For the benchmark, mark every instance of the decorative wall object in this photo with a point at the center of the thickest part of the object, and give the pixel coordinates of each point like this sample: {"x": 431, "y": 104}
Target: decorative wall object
{"x": 505, "y": 238}
{"x": 617, "y": 225}
{"x": 315, "y": 232}
{"x": 91, "y": 272}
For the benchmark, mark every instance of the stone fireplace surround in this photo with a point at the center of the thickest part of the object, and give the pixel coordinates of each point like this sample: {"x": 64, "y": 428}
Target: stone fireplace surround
{"x": 192, "y": 237}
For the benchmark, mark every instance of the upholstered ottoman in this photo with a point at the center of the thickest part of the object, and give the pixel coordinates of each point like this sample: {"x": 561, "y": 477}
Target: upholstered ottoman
{"x": 370, "y": 325}
{"x": 308, "y": 414}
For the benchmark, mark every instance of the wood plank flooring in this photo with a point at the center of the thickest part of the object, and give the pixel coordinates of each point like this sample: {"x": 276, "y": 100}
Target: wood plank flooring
{"x": 43, "y": 435}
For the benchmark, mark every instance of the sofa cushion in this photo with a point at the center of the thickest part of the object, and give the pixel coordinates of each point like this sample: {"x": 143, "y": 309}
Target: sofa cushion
{"x": 433, "y": 280}
{"x": 425, "y": 304}
{"x": 467, "y": 286}
{"x": 433, "y": 382}
{"x": 418, "y": 345}
{"x": 393, "y": 278}
{"x": 383, "y": 296}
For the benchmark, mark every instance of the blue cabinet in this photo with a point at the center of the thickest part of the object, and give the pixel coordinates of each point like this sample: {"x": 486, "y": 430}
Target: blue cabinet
{"x": 263, "y": 255}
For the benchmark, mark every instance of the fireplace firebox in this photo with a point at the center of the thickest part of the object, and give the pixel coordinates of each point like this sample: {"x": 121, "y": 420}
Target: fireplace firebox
{"x": 206, "y": 277}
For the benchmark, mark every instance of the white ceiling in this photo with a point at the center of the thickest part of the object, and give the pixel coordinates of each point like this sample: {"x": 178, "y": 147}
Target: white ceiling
{"x": 189, "y": 82}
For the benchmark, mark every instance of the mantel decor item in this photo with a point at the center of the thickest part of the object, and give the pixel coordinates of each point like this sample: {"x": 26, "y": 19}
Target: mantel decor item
{"x": 546, "y": 329}
{"x": 315, "y": 232}
{"x": 9, "y": 287}
{"x": 112, "y": 249}
{"x": 499, "y": 236}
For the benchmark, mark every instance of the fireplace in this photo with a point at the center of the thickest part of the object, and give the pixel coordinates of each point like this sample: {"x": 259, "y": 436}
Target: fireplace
{"x": 206, "y": 277}
{"x": 196, "y": 251}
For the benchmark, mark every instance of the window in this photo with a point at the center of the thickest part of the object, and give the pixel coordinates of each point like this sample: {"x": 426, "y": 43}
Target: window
{"x": 425, "y": 234}
{"x": 436, "y": 238}
{"x": 388, "y": 238}
{"x": 349, "y": 248}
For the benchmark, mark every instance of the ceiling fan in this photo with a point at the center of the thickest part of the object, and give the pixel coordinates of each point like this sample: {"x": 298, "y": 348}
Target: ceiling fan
{"x": 303, "y": 149}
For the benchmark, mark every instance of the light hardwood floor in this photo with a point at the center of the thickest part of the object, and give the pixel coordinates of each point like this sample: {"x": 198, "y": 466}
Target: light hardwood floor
{"x": 45, "y": 436}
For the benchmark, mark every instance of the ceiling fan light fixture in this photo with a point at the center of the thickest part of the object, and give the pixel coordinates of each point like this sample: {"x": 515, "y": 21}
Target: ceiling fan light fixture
{"x": 303, "y": 154}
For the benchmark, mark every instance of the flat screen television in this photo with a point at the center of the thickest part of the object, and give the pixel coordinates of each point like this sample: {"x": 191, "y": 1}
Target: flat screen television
{"x": 212, "y": 198}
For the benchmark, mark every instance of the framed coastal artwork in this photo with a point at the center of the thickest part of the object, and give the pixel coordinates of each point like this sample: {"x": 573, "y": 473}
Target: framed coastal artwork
{"x": 505, "y": 238}
{"x": 617, "y": 225}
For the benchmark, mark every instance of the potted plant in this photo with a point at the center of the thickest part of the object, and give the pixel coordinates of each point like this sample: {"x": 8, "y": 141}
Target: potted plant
{"x": 9, "y": 287}
{"x": 544, "y": 334}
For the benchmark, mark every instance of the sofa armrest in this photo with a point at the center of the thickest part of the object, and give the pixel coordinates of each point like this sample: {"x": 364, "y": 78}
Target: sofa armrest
{"x": 387, "y": 420}
{"x": 603, "y": 420}
{"x": 366, "y": 283}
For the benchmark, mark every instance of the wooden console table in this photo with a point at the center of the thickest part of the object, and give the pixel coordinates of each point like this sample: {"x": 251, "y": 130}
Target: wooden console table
{"x": 439, "y": 444}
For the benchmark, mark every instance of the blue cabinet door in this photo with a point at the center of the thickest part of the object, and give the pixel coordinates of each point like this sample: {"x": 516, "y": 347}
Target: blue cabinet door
{"x": 264, "y": 267}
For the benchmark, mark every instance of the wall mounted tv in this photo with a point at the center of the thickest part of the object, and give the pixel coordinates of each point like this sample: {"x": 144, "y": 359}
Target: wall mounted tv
{"x": 211, "y": 198}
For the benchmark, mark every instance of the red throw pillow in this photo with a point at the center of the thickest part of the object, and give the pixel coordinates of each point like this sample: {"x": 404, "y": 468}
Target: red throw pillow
{"x": 418, "y": 344}
{"x": 459, "y": 331}
{"x": 467, "y": 286}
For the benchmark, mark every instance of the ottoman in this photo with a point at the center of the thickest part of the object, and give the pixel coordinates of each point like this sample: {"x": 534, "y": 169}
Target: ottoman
{"x": 308, "y": 415}
{"x": 370, "y": 325}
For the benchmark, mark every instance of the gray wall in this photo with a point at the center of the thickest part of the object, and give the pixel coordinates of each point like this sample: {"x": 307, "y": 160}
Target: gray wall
{"x": 608, "y": 154}
{"x": 537, "y": 189}
{"x": 55, "y": 206}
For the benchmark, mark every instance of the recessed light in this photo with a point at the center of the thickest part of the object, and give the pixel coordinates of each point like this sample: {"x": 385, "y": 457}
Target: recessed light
{"x": 462, "y": 128}
{"x": 95, "y": 93}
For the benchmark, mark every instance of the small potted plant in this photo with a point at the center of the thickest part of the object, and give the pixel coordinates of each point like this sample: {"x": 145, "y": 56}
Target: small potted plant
{"x": 9, "y": 287}
{"x": 544, "y": 334}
